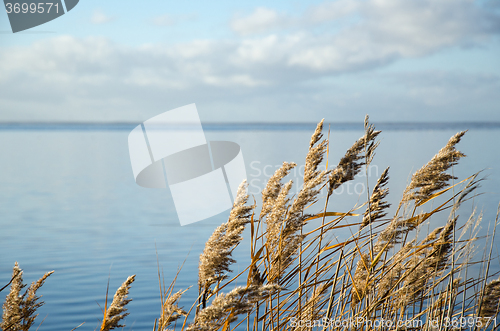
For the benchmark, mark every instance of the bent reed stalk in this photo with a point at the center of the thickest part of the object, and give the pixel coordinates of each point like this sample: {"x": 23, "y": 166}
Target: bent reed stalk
{"x": 391, "y": 273}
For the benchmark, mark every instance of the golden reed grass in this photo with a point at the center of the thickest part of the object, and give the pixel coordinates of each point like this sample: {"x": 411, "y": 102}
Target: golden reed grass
{"x": 387, "y": 275}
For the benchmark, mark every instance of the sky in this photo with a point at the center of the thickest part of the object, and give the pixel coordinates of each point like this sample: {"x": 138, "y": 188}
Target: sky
{"x": 256, "y": 61}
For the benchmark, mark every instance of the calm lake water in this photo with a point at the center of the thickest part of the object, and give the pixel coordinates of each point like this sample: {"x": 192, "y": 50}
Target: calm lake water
{"x": 69, "y": 203}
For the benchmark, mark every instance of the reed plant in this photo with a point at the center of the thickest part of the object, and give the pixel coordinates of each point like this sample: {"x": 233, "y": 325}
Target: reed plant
{"x": 389, "y": 274}
{"x": 412, "y": 267}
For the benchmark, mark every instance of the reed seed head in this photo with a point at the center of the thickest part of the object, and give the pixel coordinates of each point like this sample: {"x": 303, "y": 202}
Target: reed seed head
{"x": 117, "y": 310}
{"x": 377, "y": 206}
{"x": 432, "y": 176}
{"x": 216, "y": 257}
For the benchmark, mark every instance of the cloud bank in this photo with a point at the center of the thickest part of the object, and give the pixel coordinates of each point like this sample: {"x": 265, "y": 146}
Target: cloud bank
{"x": 277, "y": 61}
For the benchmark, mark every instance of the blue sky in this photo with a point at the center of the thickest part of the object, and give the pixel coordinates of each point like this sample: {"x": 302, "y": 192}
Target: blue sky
{"x": 291, "y": 61}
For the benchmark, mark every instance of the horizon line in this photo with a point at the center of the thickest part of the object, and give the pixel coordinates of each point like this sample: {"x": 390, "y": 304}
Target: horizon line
{"x": 344, "y": 125}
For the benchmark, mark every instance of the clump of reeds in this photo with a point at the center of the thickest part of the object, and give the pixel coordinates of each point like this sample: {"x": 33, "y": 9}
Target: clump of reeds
{"x": 302, "y": 276}
{"x": 384, "y": 273}
{"x": 19, "y": 309}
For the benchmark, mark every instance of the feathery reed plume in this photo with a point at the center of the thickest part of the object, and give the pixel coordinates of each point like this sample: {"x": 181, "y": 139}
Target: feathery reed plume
{"x": 12, "y": 311}
{"x": 317, "y": 135}
{"x": 312, "y": 179}
{"x": 31, "y": 303}
{"x": 273, "y": 187}
{"x": 117, "y": 310}
{"x": 225, "y": 308}
{"x": 274, "y": 227}
{"x": 429, "y": 265}
{"x": 360, "y": 279}
{"x": 315, "y": 154}
{"x": 284, "y": 221}
{"x": 370, "y": 143}
{"x": 433, "y": 235}
{"x": 170, "y": 311}
{"x": 438, "y": 256}
{"x": 274, "y": 206}
{"x": 14, "y": 275}
{"x": 395, "y": 269}
{"x": 415, "y": 282}
{"x": 348, "y": 167}
{"x": 432, "y": 176}
{"x": 424, "y": 183}
{"x": 350, "y": 164}
{"x": 216, "y": 257}
{"x": 391, "y": 235}
{"x": 377, "y": 206}
{"x": 491, "y": 299}
{"x": 19, "y": 310}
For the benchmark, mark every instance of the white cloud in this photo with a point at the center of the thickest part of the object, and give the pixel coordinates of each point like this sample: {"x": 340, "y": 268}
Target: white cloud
{"x": 261, "y": 20}
{"x": 99, "y": 17}
{"x": 328, "y": 11}
{"x": 370, "y": 33}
